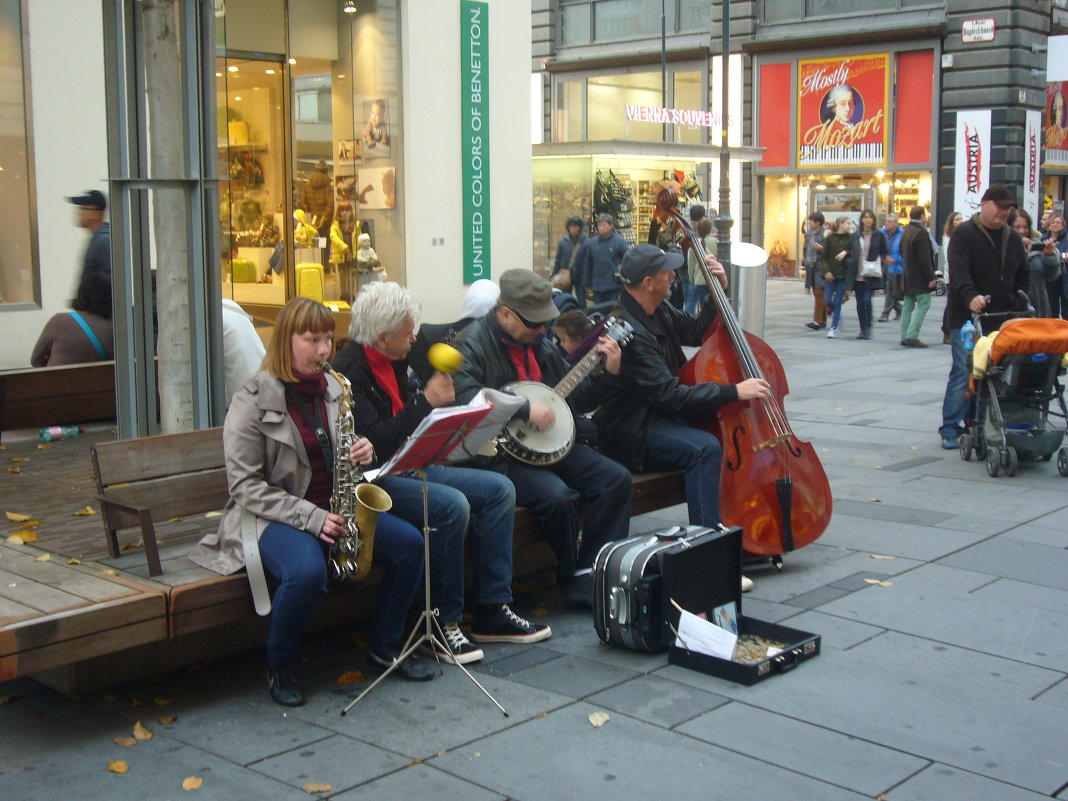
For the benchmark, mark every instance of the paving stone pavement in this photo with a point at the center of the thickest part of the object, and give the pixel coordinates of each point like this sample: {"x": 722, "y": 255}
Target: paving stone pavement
{"x": 946, "y": 681}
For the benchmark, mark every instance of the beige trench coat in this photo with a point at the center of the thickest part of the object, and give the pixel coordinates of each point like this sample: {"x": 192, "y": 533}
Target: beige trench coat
{"x": 267, "y": 470}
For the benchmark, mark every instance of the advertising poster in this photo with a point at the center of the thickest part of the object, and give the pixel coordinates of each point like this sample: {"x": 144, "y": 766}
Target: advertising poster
{"x": 1032, "y": 188}
{"x": 971, "y": 175}
{"x": 842, "y": 107}
{"x": 1055, "y": 127}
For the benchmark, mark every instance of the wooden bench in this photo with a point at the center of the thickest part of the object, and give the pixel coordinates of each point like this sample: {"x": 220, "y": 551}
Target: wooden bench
{"x": 46, "y": 396}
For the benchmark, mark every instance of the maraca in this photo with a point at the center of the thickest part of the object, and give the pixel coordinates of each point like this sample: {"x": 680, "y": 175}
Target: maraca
{"x": 445, "y": 358}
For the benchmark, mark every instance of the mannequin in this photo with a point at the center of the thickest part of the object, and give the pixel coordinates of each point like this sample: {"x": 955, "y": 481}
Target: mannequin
{"x": 368, "y": 267}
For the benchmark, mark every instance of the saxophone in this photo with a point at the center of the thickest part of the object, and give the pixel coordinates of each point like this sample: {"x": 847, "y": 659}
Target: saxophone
{"x": 357, "y": 501}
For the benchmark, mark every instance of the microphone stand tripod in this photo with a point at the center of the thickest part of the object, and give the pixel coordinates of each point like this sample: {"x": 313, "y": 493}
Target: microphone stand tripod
{"x": 428, "y": 618}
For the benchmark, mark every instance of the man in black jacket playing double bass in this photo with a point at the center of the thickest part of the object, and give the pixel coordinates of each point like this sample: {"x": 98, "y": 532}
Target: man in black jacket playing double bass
{"x": 640, "y": 421}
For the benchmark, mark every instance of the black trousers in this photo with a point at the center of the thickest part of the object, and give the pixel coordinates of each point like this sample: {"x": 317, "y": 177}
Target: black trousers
{"x": 554, "y": 492}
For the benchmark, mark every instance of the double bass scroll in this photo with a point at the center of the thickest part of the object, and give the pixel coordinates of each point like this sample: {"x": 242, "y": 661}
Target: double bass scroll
{"x": 772, "y": 485}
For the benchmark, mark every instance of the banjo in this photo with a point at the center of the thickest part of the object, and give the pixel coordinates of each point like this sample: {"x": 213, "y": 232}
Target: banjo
{"x": 524, "y": 443}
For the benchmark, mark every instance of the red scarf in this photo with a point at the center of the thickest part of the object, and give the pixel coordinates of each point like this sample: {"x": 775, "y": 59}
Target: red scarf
{"x": 526, "y": 366}
{"x": 382, "y": 368}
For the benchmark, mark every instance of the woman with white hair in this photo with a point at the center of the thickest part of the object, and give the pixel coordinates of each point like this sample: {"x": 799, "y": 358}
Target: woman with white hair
{"x": 387, "y": 407}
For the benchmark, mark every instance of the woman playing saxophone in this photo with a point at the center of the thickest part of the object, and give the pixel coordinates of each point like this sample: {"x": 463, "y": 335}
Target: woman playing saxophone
{"x": 279, "y": 449}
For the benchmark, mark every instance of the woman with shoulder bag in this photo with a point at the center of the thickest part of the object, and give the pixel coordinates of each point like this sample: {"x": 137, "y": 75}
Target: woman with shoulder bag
{"x": 835, "y": 261}
{"x": 868, "y": 248}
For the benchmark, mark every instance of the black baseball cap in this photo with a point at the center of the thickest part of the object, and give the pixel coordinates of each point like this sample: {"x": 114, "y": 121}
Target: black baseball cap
{"x": 644, "y": 260}
{"x": 91, "y": 199}
{"x": 1000, "y": 194}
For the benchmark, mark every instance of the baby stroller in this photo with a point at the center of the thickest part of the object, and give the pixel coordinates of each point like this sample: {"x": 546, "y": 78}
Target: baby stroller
{"x": 1018, "y": 399}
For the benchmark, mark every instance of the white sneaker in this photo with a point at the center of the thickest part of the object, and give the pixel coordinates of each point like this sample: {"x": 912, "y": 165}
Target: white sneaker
{"x": 747, "y": 584}
{"x": 832, "y": 333}
{"x": 459, "y": 648}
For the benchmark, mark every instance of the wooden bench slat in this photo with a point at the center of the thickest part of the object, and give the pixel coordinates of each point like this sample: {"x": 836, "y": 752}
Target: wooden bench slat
{"x": 81, "y": 585}
{"x": 40, "y": 597}
{"x": 178, "y": 496}
{"x": 157, "y": 457}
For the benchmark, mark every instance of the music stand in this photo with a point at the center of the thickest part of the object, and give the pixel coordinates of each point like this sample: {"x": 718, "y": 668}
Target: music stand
{"x": 432, "y": 442}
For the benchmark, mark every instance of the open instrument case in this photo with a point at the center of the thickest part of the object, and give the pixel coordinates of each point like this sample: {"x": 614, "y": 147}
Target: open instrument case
{"x": 701, "y": 579}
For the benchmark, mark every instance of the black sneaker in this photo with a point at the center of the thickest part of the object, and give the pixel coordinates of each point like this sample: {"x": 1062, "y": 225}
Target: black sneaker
{"x": 283, "y": 686}
{"x": 501, "y": 624}
{"x": 412, "y": 668}
{"x": 460, "y": 649}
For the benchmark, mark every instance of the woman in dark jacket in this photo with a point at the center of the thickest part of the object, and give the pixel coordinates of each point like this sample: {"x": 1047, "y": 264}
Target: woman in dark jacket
{"x": 1044, "y": 261}
{"x": 1058, "y": 232}
{"x": 867, "y": 244}
{"x": 835, "y": 261}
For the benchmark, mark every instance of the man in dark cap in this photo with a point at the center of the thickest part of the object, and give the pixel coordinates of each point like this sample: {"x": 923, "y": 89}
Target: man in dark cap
{"x": 90, "y": 215}
{"x": 507, "y": 345}
{"x": 597, "y": 261}
{"x": 640, "y": 421}
{"x": 987, "y": 268}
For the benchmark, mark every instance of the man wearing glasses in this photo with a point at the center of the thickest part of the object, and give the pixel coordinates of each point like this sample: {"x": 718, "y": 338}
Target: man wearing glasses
{"x": 509, "y": 344}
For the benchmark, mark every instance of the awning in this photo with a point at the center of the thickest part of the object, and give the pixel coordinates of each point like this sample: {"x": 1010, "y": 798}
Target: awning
{"x": 662, "y": 151}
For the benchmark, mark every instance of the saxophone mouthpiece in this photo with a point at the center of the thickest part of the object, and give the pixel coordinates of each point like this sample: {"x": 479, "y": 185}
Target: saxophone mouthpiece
{"x": 324, "y": 367}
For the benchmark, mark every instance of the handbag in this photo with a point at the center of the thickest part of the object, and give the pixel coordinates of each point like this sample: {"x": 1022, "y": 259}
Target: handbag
{"x": 871, "y": 269}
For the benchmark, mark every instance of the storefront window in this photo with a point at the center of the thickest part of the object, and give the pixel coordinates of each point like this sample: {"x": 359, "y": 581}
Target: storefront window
{"x": 628, "y": 19}
{"x": 607, "y": 98}
{"x": 567, "y": 114}
{"x": 689, "y": 93}
{"x": 310, "y": 139}
{"x": 18, "y": 251}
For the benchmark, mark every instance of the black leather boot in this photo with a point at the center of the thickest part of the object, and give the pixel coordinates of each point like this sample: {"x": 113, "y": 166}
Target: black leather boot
{"x": 283, "y": 686}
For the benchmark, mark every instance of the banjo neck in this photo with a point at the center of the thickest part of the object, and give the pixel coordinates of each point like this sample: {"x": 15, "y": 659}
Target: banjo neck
{"x": 575, "y": 376}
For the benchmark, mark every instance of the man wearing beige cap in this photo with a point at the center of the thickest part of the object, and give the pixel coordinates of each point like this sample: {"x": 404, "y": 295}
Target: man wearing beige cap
{"x": 507, "y": 345}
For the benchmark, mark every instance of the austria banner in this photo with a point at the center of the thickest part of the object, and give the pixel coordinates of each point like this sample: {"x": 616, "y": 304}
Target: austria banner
{"x": 1032, "y": 189}
{"x": 1055, "y": 131}
{"x": 972, "y": 174}
{"x": 842, "y": 107}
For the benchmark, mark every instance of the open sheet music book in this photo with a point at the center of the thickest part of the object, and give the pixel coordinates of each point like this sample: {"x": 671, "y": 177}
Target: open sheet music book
{"x": 452, "y": 433}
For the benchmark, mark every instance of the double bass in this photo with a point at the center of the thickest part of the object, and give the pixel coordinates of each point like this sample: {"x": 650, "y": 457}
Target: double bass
{"x": 772, "y": 484}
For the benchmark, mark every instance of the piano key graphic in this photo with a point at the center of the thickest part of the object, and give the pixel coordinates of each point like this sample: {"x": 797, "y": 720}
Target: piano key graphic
{"x": 866, "y": 154}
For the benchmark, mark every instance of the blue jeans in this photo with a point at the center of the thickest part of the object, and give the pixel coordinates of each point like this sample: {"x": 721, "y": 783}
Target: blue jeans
{"x": 834, "y": 291}
{"x": 863, "y": 290}
{"x": 696, "y": 294}
{"x": 554, "y": 493}
{"x": 298, "y": 561}
{"x": 955, "y": 404}
{"x": 677, "y": 446}
{"x": 456, "y": 496}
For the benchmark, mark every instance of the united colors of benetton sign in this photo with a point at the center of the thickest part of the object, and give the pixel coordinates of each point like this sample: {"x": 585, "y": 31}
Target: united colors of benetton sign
{"x": 474, "y": 88}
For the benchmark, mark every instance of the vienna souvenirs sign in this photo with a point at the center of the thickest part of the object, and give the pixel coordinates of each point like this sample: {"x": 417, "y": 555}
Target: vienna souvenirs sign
{"x": 475, "y": 120}
{"x": 842, "y": 106}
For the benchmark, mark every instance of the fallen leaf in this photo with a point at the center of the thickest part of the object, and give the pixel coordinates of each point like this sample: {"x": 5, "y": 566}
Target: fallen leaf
{"x": 14, "y": 470}
{"x": 15, "y": 539}
{"x": 129, "y": 547}
{"x": 415, "y": 762}
{"x": 125, "y": 741}
{"x": 118, "y": 766}
{"x": 44, "y": 446}
{"x": 351, "y": 677}
{"x": 880, "y": 583}
{"x": 598, "y": 719}
{"x": 875, "y": 500}
{"x": 213, "y": 514}
{"x": 110, "y": 571}
{"x": 442, "y": 753}
{"x": 165, "y": 720}
{"x": 43, "y": 557}
{"x": 192, "y": 783}
{"x": 317, "y": 788}
{"x": 16, "y": 517}
{"x": 29, "y": 524}
{"x": 74, "y": 561}
{"x": 141, "y": 733}
{"x": 882, "y": 556}
{"x": 20, "y": 459}
{"x": 88, "y": 510}
{"x": 111, "y": 696}
{"x": 23, "y": 537}
{"x": 174, "y": 520}
{"x": 162, "y": 701}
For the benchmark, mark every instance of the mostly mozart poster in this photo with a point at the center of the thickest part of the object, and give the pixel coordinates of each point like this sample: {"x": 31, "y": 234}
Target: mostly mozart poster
{"x": 842, "y": 111}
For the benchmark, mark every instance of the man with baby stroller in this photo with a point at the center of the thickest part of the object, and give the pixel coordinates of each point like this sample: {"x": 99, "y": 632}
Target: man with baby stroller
{"x": 987, "y": 270}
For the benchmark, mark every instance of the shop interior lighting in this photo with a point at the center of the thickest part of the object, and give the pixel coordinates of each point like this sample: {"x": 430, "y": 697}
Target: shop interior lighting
{"x": 841, "y": 186}
{"x": 269, "y": 72}
{"x": 232, "y": 68}
{"x": 821, "y": 187}
{"x": 350, "y": 7}
{"x": 880, "y": 173}
{"x": 865, "y": 186}
{"x": 292, "y": 61}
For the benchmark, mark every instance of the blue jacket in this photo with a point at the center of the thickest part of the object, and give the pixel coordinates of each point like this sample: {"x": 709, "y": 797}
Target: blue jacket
{"x": 893, "y": 249}
{"x": 597, "y": 265}
{"x": 565, "y": 250}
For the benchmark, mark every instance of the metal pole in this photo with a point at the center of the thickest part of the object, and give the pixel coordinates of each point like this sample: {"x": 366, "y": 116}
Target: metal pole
{"x": 663, "y": 61}
{"x": 723, "y": 219}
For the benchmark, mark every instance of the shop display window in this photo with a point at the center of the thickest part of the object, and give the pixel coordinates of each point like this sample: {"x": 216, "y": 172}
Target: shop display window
{"x": 310, "y": 140}
{"x": 18, "y": 246}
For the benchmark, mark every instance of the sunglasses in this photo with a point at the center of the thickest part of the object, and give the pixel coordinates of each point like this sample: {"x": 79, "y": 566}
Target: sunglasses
{"x": 525, "y": 321}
